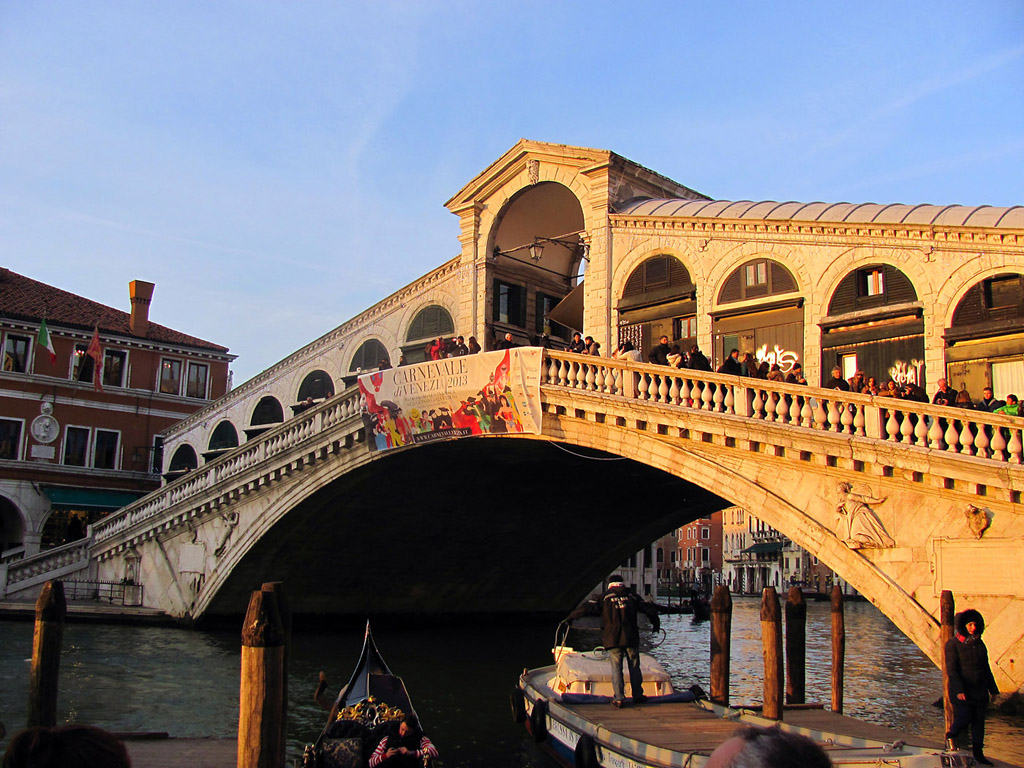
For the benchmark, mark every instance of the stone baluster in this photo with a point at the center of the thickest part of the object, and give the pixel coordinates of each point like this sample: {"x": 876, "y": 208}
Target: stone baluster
{"x": 892, "y": 427}
{"x": 806, "y": 413}
{"x": 952, "y": 437}
{"x": 833, "y": 416}
{"x": 920, "y": 430}
{"x": 645, "y": 385}
{"x": 770, "y": 405}
{"x": 673, "y": 391}
{"x": 907, "y": 427}
{"x": 935, "y": 434}
{"x": 600, "y": 378}
{"x": 685, "y": 394}
{"x": 998, "y": 444}
{"x": 820, "y": 417}
{"x": 581, "y": 375}
{"x": 846, "y": 419}
{"x": 981, "y": 442}
{"x": 859, "y": 421}
{"x": 721, "y": 392}
{"x": 552, "y": 371}
{"x": 563, "y": 374}
{"x": 1015, "y": 446}
{"x": 706, "y": 398}
{"x": 591, "y": 377}
{"x": 757, "y": 405}
{"x": 966, "y": 439}
{"x": 663, "y": 388}
{"x": 615, "y": 381}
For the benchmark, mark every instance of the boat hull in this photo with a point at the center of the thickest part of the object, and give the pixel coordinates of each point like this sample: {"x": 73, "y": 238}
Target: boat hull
{"x": 558, "y": 727}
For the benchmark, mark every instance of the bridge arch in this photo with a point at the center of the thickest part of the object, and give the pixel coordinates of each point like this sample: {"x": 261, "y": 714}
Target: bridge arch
{"x": 431, "y": 320}
{"x": 349, "y": 484}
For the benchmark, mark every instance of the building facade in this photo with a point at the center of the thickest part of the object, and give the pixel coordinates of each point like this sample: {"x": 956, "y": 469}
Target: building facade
{"x": 81, "y": 428}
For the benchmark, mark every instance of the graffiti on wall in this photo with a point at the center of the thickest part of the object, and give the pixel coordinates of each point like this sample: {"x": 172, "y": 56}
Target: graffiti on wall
{"x": 903, "y": 372}
{"x": 784, "y": 358}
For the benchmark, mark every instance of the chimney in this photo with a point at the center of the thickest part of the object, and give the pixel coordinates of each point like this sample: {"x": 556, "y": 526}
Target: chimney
{"x": 141, "y": 293}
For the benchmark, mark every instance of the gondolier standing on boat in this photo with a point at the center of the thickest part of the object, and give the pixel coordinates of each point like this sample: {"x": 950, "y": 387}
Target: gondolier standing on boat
{"x": 618, "y": 608}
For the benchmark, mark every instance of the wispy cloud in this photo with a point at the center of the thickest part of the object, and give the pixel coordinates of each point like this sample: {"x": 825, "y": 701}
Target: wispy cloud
{"x": 854, "y": 129}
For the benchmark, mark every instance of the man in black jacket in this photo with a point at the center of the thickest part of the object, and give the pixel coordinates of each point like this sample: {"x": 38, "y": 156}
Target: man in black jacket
{"x": 659, "y": 354}
{"x": 970, "y": 681}
{"x": 618, "y": 608}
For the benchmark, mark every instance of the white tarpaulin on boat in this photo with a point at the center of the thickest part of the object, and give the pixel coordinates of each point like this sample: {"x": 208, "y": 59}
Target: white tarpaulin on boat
{"x": 489, "y": 393}
{"x": 574, "y": 667}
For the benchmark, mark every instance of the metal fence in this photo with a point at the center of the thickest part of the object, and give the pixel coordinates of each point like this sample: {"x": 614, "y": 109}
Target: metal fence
{"x": 103, "y": 592}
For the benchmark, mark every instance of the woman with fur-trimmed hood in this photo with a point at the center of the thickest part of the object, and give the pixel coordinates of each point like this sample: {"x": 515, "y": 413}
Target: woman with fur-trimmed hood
{"x": 970, "y": 681}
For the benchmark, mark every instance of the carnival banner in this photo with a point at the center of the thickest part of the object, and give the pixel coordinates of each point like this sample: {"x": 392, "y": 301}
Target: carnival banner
{"x": 491, "y": 393}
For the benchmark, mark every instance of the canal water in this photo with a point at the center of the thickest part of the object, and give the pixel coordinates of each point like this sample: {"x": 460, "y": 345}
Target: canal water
{"x": 128, "y": 678}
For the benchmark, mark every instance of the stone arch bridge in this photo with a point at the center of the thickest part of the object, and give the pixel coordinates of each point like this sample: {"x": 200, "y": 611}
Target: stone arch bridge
{"x": 901, "y": 499}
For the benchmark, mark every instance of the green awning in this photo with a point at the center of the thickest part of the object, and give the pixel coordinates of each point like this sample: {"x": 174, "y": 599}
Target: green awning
{"x": 764, "y": 546}
{"x": 89, "y": 498}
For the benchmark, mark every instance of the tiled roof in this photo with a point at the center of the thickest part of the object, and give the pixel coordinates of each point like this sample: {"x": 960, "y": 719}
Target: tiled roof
{"x": 864, "y": 213}
{"x": 22, "y": 298}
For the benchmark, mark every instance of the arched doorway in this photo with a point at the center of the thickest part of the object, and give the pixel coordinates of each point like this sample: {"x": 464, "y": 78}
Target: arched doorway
{"x": 984, "y": 343}
{"x": 658, "y": 299}
{"x": 772, "y": 329}
{"x": 537, "y": 254}
{"x": 874, "y": 325}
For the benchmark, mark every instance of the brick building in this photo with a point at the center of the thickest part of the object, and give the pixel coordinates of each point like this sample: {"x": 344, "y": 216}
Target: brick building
{"x": 80, "y": 431}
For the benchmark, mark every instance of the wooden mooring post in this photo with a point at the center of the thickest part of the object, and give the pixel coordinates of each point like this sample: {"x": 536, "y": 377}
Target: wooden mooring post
{"x": 947, "y": 614}
{"x": 261, "y": 723}
{"x": 796, "y": 646}
{"x": 838, "y": 648}
{"x": 51, "y": 610}
{"x": 771, "y": 639}
{"x": 285, "y": 612}
{"x": 721, "y": 644}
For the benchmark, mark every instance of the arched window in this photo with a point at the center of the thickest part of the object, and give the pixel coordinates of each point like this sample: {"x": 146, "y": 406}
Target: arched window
{"x": 317, "y": 385}
{"x": 184, "y": 459}
{"x": 876, "y": 285}
{"x": 430, "y": 322}
{"x": 757, "y": 278}
{"x": 224, "y": 437}
{"x": 1000, "y": 297}
{"x": 268, "y": 411}
{"x": 369, "y": 356}
{"x": 658, "y": 279}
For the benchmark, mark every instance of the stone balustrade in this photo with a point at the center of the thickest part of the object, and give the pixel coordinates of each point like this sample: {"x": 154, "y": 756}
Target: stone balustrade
{"x": 222, "y": 473}
{"x": 50, "y": 563}
{"x": 956, "y": 431}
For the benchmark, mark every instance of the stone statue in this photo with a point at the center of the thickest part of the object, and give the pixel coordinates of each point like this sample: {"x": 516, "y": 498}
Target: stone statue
{"x": 863, "y": 528}
{"x": 977, "y": 520}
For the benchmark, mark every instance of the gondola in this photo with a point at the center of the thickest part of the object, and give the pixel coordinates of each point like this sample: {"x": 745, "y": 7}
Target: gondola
{"x": 368, "y": 708}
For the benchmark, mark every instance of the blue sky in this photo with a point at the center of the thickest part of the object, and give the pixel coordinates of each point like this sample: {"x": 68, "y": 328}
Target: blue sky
{"x": 277, "y": 167}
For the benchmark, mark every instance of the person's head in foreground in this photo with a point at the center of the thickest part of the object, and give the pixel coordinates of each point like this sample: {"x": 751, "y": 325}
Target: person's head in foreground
{"x": 768, "y": 748}
{"x": 70, "y": 746}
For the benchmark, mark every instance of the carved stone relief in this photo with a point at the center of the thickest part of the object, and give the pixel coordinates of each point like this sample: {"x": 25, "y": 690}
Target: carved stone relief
{"x": 858, "y": 525}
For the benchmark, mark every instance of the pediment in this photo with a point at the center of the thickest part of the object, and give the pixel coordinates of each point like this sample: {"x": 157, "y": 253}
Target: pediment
{"x": 622, "y": 178}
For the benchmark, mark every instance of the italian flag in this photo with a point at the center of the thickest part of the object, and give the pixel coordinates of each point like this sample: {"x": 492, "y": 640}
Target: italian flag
{"x": 44, "y": 341}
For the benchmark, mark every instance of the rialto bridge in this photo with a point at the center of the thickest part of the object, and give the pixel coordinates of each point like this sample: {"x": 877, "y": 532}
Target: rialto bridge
{"x": 277, "y": 480}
